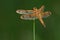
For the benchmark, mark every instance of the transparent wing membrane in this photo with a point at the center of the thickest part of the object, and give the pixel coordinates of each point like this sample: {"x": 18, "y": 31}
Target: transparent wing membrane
{"x": 46, "y": 14}
{"x": 27, "y": 17}
{"x": 24, "y": 11}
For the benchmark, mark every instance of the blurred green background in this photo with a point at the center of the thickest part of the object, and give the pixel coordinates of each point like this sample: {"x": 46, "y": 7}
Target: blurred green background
{"x": 13, "y": 28}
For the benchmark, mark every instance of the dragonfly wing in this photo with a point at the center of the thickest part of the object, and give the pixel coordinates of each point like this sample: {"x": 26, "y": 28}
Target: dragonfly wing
{"x": 41, "y": 8}
{"x": 28, "y": 17}
{"x": 46, "y": 14}
{"x": 41, "y": 20}
{"x": 24, "y": 11}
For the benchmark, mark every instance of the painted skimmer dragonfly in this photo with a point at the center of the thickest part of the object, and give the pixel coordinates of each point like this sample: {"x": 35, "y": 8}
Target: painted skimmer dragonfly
{"x": 34, "y": 14}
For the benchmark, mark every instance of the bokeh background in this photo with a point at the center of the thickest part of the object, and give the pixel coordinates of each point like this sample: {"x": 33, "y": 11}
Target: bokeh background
{"x": 13, "y": 28}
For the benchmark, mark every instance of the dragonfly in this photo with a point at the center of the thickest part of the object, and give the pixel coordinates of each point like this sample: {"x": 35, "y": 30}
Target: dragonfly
{"x": 34, "y": 14}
